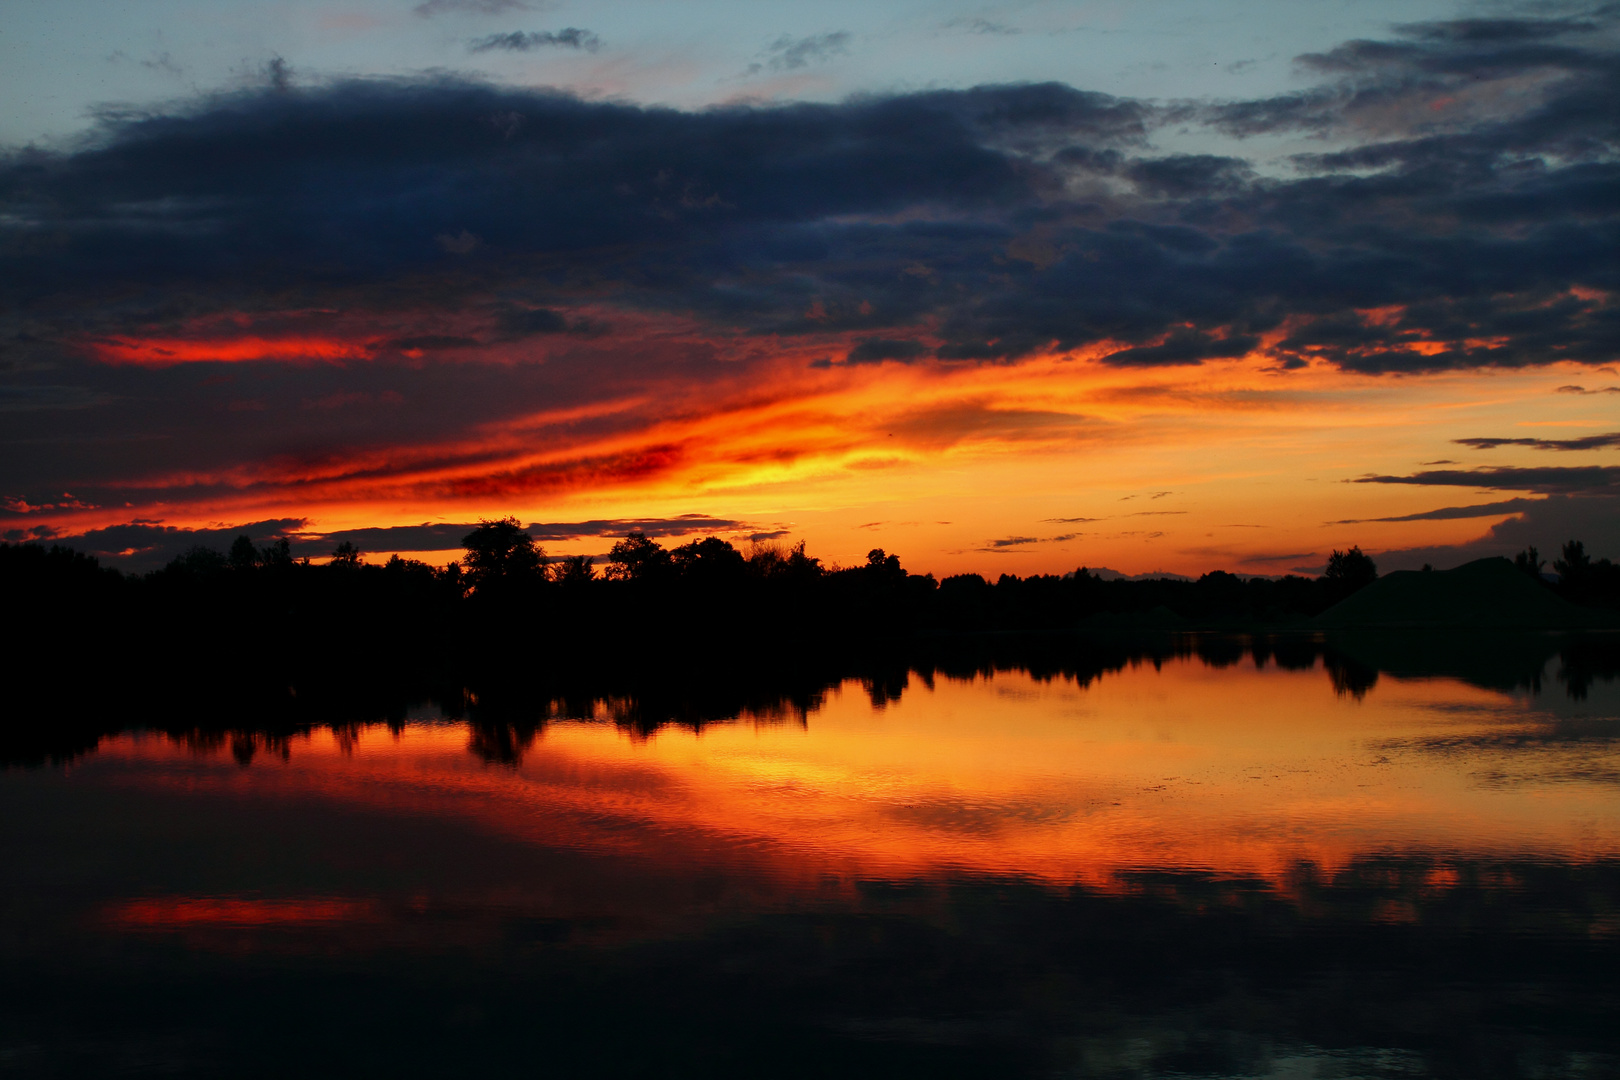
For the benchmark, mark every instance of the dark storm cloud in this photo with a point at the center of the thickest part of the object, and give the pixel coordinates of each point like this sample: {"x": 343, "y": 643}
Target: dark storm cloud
{"x": 1370, "y": 76}
{"x": 513, "y": 323}
{"x": 518, "y": 41}
{"x": 1585, "y": 442}
{"x": 1549, "y": 480}
{"x": 1469, "y": 220}
{"x": 358, "y": 184}
{"x": 1493, "y": 235}
{"x": 1184, "y": 347}
{"x": 1455, "y": 513}
{"x": 876, "y": 350}
{"x": 1184, "y": 175}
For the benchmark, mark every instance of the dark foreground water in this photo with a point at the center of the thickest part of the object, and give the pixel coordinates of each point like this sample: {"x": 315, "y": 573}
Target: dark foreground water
{"x": 1207, "y": 863}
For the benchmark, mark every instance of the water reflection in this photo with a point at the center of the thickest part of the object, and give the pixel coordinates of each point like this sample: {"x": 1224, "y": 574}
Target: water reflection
{"x": 1229, "y": 769}
{"x": 1203, "y": 856}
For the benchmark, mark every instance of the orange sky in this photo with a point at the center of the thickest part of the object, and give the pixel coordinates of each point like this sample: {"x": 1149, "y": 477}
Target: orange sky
{"x": 1037, "y": 467}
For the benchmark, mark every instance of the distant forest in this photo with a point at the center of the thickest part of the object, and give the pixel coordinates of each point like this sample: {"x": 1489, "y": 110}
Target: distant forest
{"x": 506, "y": 595}
{"x": 253, "y": 640}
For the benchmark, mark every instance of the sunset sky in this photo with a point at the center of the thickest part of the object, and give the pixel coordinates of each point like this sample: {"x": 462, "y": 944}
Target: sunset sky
{"x": 1002, "y": 288}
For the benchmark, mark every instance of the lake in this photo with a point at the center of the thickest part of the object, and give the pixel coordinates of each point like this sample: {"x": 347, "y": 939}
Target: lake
{"x": 1224, "y": 858}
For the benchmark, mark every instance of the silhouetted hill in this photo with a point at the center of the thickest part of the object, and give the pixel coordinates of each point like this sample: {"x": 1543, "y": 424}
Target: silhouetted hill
{"x": 1483, "y": 594}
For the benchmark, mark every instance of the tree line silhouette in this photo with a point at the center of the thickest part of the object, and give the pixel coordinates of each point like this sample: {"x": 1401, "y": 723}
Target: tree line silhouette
{"x": 256, "y": 639}
{"x": 506, "y": 597}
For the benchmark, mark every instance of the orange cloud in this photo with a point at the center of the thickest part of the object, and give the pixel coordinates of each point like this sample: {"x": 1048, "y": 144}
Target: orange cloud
{"x": 162, "y": 352}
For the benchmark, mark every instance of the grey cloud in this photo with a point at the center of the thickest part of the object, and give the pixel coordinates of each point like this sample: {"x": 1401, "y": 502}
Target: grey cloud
{"x": 1183, "y": 175}
{"x": 1184, "y": 347}
{"x": 1572, "y": 389}
{"x": 876, "y": 350}
{"x": 982, "y": 26}
{"x": 1547, "y": 480}
{"x": 532, "y": 322}
{"x": 518, "y": 41}
{"x": 791, "y": 53}
{"x": 1008, "y": 544}
{"x": 1495, "y": 31}
{"x": 1585, "y": 442}
{"x": 1453, "y": 513}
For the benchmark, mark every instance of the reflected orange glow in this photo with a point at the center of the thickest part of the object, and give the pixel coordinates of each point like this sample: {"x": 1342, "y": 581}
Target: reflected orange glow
{"x": 177, "y": 913}
{"x": 1234, "y": 772}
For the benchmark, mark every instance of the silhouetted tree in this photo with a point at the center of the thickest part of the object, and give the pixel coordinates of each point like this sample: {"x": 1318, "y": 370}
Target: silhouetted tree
{"x": 500, "y": 555}
{"x": 1349, "y": 571}
{"x": 1586, "y": 580}
{"x": 243, "y": 556}
{"x": 346, "y": 556}
{"x": 883, "y": 565}
{"x": 573, "y": 570}
{"x": 636, "y": 558}
{"x": 198, "y": 560}
{"x": 710, "y": 561}
{"x": 1529, "y": 561}
{"x": 1574, "y": 563}
{"x": 277, "y": 554}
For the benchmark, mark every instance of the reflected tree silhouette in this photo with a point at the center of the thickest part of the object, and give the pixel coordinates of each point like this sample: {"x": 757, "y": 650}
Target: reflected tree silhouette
{"x": 1349, "y": 676}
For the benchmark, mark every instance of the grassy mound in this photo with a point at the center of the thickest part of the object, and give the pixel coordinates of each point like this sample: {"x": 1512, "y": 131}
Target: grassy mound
{"x": 1483, "y": 594}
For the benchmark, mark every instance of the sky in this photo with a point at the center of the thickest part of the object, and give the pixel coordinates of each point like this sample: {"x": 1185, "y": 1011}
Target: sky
{"x": 1008, "y": 288}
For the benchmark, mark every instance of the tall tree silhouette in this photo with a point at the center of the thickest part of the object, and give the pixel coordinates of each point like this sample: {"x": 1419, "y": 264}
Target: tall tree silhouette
{"x": 1574, "y": 564}
{"x": 500, "y": 555}
{"x": 1347, "y": 572}
{"x": 243, "y": 556}
{"x": 573, "y": 570}
{"x": 636, "y": 558}
{"x": 1530, "y": 562}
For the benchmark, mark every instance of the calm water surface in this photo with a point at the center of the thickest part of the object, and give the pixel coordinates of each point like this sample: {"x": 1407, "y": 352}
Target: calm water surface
{"x": 1182, "y": 869}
